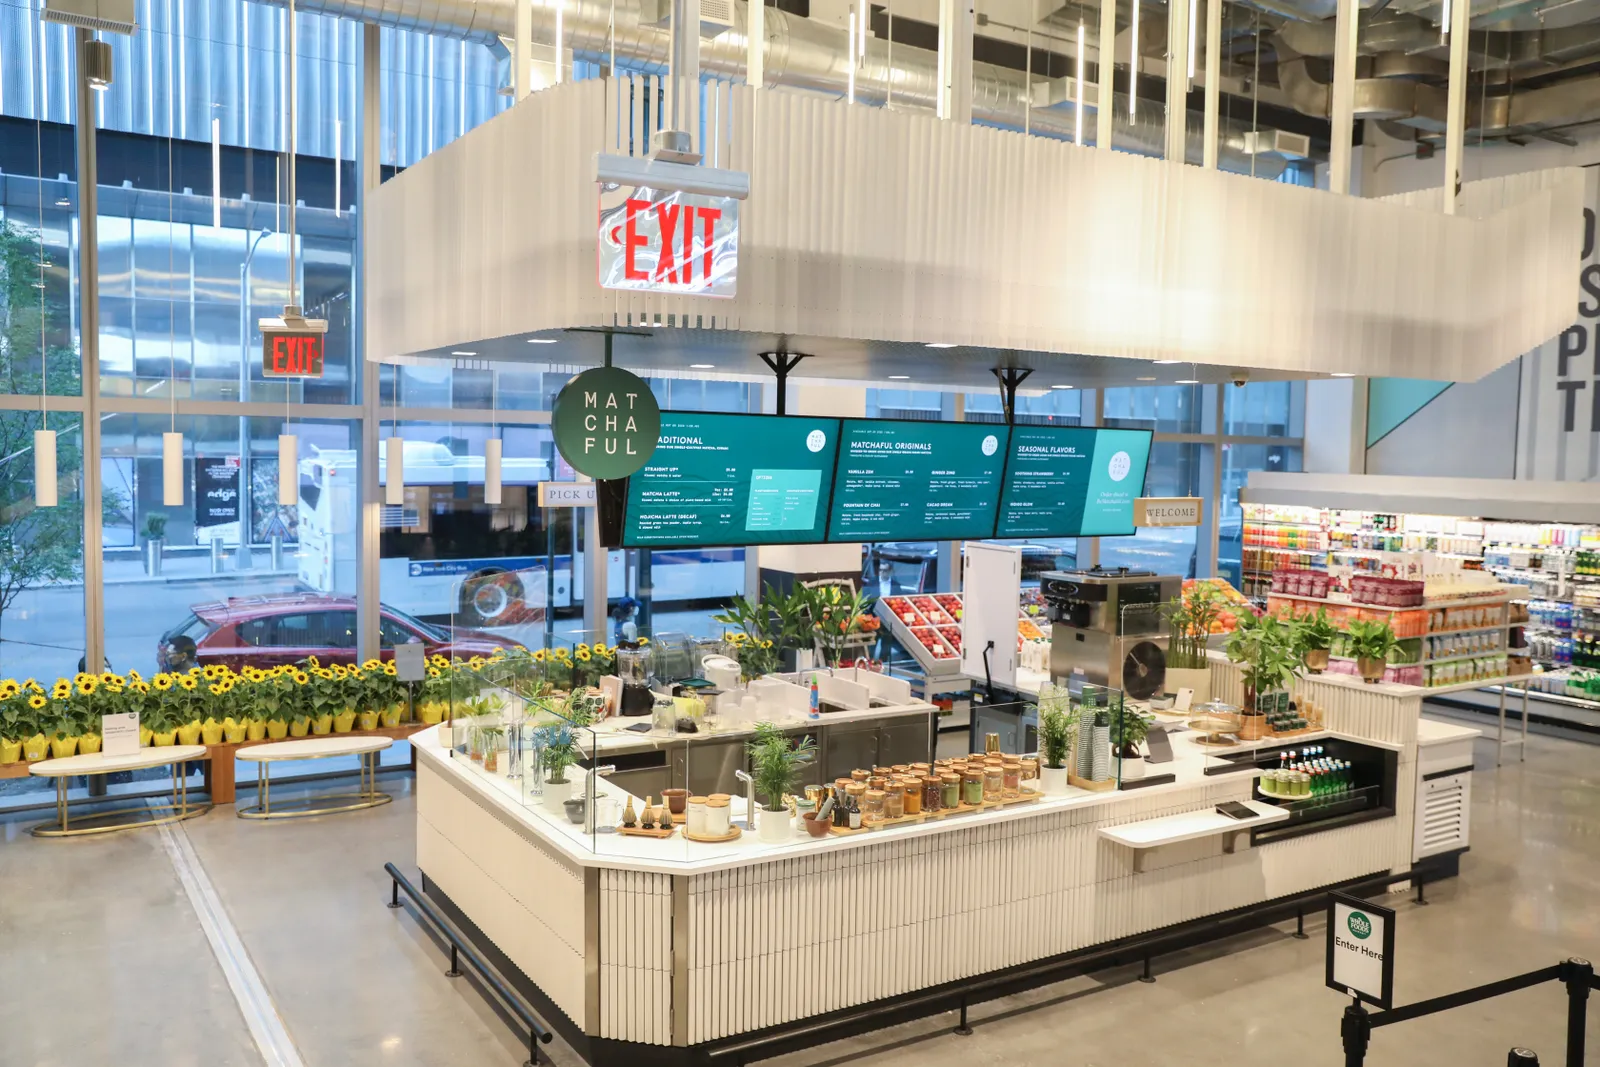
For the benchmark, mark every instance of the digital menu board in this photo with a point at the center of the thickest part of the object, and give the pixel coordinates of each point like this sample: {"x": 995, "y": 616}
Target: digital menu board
{"x": 1071, "y": 481}
{"x": 916, "y": 481}
{"x": 719, "y": 480}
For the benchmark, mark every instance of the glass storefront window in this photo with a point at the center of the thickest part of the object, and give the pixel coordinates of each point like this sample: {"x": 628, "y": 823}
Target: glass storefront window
{"x": 1264, "y": 409}
{"x": 1237, "y": 463}
{"x": 1176, "y": 469}
{"x": 41, "y": 552}
{"x": 1058, "y": 407}
{"x": 1163, "y": 408}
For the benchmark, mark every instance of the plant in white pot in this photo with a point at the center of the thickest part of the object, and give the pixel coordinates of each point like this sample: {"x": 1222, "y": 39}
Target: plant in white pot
{"x": 775, "y": 766}
{"x": 559, "y": 748}
{"x": 1128, "y": 731}
{"x": 1192, "y": 617}
{"x": 1055, "y": 745}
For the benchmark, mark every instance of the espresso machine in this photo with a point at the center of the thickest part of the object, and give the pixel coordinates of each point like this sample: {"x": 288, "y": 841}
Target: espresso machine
{"x": 1107, "y": 623}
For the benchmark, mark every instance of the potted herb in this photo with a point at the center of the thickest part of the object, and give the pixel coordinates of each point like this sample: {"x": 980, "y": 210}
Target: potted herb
{"x": 1264, "y": 646}
{"x": 753, "y": 645}
{"x": 1055, "y": 744}
{"x": 1192, "y": 617}
{"x": 1371, "y": 643}
{"x": 558, "y": 747}
{"x": 1128, "y": 731}
{"x": 1313, "y": 635}
{"x": 775, "y": 765}
{"x": 155, "y": 541}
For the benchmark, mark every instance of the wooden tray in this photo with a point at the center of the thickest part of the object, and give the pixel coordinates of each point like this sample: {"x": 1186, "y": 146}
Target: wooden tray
{"x": 634, "y": 831}
{"x": 732, "y": 833}
{"x": 942, "y": 813}
{"x": 1090, "y": 784}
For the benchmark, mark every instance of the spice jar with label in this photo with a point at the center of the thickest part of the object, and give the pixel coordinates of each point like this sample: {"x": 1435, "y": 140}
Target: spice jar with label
{"x": 1030, "y": 770}
{"x": 894, "y": 802}
{"x": 872, "y": 810}
{"x": 972, "y": 786}
{"x": 949, "y": 790}
{"x": 1011, "y": 779}
{"x": 932, "y": 796}
{"x": 911, "y": 789}
{"x": 993, "y": 781}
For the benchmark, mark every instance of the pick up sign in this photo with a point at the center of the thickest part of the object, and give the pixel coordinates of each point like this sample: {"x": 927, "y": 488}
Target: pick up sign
{"x": 667, "y": 241}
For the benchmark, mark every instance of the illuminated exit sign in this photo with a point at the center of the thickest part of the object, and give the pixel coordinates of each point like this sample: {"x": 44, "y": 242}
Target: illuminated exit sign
{"x": 293, "y": 346}
{"x": 292, "y": 354}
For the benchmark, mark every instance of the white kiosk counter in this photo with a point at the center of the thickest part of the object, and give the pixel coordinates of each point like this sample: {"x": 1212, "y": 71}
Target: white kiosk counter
{"x": 643, "y": 951}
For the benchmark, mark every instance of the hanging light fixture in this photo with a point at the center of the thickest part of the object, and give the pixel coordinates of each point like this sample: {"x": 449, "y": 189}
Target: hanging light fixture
{"x": 44, "y": 468}
{"x": 288, "y": 470}
{"x": 394, "y": 490}
{"x": 172, "y": 469}
{"x": 172, "y": 440}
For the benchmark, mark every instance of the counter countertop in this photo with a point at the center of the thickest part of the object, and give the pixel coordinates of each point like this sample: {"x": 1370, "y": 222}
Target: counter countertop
{"x": 1432, "y": 732}
{"x": 613, "y": 735}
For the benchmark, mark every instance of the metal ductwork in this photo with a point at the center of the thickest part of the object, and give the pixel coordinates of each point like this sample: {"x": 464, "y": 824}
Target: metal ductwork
{"x": 801, "y": 54}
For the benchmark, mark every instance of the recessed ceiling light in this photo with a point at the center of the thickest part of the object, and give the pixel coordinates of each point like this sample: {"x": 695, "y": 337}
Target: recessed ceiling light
{"x": 1151, "y": 378}
{"x": 1187, "y": 381}
{"x": 541, "y": 340}
{"x": 939, "y": 344}
{"x": 1343, "y": 374}
{"x": 702, "y": 366}
{"x": 1165, "y": 362}
{"x": 463, "y": 353}
{"x": 1061, "y": 387}
{"x": 899, "y": 377}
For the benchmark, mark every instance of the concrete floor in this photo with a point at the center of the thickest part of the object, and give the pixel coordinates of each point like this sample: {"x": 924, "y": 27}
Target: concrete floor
{"x": 103, "y": 959}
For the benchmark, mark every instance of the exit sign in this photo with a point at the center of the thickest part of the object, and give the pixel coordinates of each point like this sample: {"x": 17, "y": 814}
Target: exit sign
{"x": 292, "y": 353}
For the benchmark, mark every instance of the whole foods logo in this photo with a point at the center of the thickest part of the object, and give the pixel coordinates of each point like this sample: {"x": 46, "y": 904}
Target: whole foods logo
{"x": 1360, "y": 925}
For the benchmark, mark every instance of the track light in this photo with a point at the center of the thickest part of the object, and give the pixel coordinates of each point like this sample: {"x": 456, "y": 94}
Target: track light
{"x": 172, "y": 470}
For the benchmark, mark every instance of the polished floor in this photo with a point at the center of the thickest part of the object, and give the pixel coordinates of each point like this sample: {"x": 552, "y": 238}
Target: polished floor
{"x": 224, "y": 942}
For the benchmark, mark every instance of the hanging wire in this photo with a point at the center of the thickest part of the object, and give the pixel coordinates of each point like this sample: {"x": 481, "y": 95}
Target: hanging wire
{"x": 44, "y": 374}
{"x": 172, "y": 336}
{"x": 1255, "y": 102}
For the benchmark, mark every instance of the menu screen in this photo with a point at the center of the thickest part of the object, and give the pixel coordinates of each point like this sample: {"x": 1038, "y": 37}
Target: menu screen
{"x": 733, "y": 480}
{"x": 1072, "y": 482}
{"x": 916, "y": 481}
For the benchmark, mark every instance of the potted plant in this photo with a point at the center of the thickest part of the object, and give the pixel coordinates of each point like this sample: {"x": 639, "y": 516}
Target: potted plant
{"x": 753, "y": 645}
{"x": 1314, "y": 634}
{"x": 1371, "y": 642}
{"x": 1128, "y": 731}
{"x": 1055, "y": 743}
{"x": 18, "y": 708}
{"x": 1264, "y": 646}
{"x": 1192, "y": 617}
{"x": 775, "y": 766}
{"x": 559, "y": 747}
{"x": 155, "y": 541}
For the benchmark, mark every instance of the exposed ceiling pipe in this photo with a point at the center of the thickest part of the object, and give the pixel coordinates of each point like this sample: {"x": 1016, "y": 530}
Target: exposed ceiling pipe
{"x": 801, "y": 53}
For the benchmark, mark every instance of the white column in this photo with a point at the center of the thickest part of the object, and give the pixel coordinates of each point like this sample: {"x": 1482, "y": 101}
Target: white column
{"x": 1213, "y": 80}
{"x": 94, "y": 600}
{"x": 370, "y": 516}
{"x": 1177, "y": 79}
{"x": 1105, "y": 102}
{"x": 955, "y": 60}
{"x": 521, "y": 48}
{"x": 1456, "y": 117}
{"x": 1346, "y": 24}
{"x": 756, "y": 43}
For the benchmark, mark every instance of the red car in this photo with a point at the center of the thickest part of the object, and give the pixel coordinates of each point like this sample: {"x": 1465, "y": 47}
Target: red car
{"x": 265, "y": 631}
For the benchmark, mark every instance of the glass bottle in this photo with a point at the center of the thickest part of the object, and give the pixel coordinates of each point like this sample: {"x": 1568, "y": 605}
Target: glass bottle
{"x": 894, "y": 802}
{"x": 855, "y": 810}
{"x": 949, "y": 790}
{"x": 1011, "y": 779}
{"x": 972, "y": 786}
{"x": 993, "y": 782}
{"x": 932, "y": 793}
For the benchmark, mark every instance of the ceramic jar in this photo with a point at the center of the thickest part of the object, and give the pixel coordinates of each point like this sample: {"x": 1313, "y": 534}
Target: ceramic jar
{"x": 717, "y": 823}
{"x": 697, "y": 816}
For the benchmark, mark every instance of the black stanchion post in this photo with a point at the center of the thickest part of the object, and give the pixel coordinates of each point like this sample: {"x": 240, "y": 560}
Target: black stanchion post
{"x": 1522, "y": 1057}
{"x": 1355, "y": 1029}
{"x": 1577, "y": 974}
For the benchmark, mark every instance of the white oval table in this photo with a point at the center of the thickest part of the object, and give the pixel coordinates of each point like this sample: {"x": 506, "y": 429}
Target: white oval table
{"x": 128, "y": 818}
{"x": 365, "y": 749}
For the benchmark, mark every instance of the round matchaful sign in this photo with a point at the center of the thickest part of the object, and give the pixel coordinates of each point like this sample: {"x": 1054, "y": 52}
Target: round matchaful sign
{"x": 606, "y": 422}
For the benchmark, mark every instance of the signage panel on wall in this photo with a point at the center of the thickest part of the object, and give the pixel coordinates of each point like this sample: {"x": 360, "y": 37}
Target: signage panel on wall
{"x": 1167, "y": 511}
{"x": 1361, "y": 949}
{"x": 917, "y": 481}
{"x": 667, "y": 241}
{"x": 216, "y": 490}
{"x": 1072, "y": 481}
{"x": 605, "y": 422}
{"x": 718, "y": 480}
{"x": 567, "y": 494}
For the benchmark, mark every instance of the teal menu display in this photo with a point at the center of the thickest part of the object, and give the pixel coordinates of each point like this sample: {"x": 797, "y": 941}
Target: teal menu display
{"x": 1072, "y": 482}
{"x": 916, "y": 481}
{"x": 733, "y": 480}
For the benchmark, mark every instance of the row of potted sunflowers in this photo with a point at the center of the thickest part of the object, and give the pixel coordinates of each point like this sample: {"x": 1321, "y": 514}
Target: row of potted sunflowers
{"x": 214, "y": 704}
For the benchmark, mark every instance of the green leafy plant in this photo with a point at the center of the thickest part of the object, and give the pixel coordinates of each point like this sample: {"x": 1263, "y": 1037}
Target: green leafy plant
{"x": 1371, "y": 639}
{"x": 1191, "y": 617}
{"x": 559, "y": 742}
{"x": 1265, "y": 648}
{"x": 155, "y": 525}
{"x": 1128, "y": 731}
{"x": 755, "y": 642}
{"x": 1314, "y": 632}
{"x": 776, "y": 762}
{"x": 1055, "y": 736}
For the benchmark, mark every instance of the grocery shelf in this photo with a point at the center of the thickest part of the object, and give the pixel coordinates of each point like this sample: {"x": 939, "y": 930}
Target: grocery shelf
{"x": 1426, "y": 605}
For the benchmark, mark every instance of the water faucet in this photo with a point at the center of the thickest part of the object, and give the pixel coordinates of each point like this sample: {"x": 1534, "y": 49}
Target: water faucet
{"x": 749, "y": 798}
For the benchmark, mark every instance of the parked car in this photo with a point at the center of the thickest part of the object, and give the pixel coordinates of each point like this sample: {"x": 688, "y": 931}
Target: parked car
{"x": 286, "y": 628}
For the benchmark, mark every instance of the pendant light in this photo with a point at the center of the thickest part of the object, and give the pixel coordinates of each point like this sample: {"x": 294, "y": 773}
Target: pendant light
{"x": 44, "y": 439}
{"x": 44, "y": 468}
{"x": 288, "y": 469}
{"x": 394, "y": 489}
{"x": 493, "y": 447}
{"x": 172, "y": 469}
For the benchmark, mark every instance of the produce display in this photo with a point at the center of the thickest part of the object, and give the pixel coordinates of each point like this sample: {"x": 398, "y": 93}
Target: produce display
{"x": 932, "y": 622}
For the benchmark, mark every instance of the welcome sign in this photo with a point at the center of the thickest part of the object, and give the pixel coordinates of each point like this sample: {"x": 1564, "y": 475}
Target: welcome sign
{"x": 1361, "y": 949}
{"x": 606, "y": 423}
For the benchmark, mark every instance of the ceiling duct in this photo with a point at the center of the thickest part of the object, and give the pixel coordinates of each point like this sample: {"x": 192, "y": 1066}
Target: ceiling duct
{"x": 801, "y": 54}
{"x": 110, "y": 16}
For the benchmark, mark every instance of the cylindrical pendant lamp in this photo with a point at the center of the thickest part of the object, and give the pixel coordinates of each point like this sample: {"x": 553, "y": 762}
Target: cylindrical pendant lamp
{"x": 491, "y": 470}
{"x": 44, "y": 468}
{"x": 172, "y": 470}
{"x": 288, "y": 470}
{"x": 394, "y": 489}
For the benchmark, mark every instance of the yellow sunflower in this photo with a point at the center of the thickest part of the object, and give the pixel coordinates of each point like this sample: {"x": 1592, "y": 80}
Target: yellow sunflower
{"x": 538, "y": 655}
{"x": 194, "y": 672}
{"x": 475, "y": 662}
{"x": 188, "y": 682}
{"x": 36, "y": 702}
{"x": 107, "y": 677}
{"x": 35, "y": 686}
{"x": 313, "y": 661}
{"x": 583, "y": 654}
{"x": 88, "y": 685}
{"x": 372, "y": 664}
{"x": 140, "y": 687}
{"x": 301, "y": 677}
{"x": 389, "y": 669}
{"x": 135, "y": 675}
{"x": 162, "y": 682}
{"x": 434, "y": 672}
{"x": 644, "y": 640}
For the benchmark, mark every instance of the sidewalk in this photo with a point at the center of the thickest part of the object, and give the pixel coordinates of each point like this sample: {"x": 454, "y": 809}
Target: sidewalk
{"x": 124, "y": 568}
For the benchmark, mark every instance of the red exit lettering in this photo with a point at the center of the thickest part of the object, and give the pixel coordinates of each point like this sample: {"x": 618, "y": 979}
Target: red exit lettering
{"x": 293, "y": 355}
{"x": 679, "y": 249}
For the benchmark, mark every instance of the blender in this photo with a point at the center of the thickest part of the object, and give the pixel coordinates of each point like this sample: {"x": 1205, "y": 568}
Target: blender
{"x": 633, "y": 667}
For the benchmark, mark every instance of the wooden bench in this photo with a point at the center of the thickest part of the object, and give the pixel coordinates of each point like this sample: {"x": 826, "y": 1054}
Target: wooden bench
{"x": 323, "y": 746}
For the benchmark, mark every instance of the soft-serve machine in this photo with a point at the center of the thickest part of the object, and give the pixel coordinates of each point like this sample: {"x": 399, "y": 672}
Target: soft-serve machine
{"x": 1107, "y": 624}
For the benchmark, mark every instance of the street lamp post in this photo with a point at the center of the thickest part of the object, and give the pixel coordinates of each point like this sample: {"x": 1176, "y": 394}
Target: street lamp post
{"x": 244, "y": 562}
